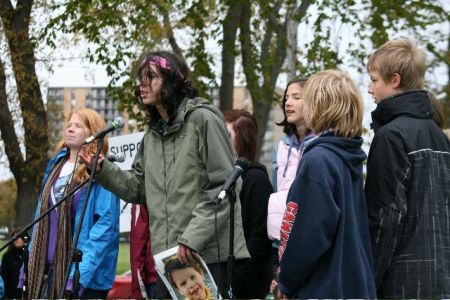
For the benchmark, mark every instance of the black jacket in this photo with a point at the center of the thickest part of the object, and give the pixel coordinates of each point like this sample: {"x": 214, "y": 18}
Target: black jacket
{"x": 11, "y": 262}
{"x": 408, "y": 196}
{"x": 253, "y": 277}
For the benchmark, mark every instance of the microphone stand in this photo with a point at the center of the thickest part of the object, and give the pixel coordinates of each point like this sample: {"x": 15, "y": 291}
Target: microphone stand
{"x": 73, "y": 249}
{"x": 230, "y": 263}
{"x": 29, "y": 226}
{"x": 231, "y": 193}
{"x": 26, "y": 240}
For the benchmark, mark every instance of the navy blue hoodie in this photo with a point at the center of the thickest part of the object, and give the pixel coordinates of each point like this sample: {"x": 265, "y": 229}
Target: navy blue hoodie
{"x": 325, "y": 249}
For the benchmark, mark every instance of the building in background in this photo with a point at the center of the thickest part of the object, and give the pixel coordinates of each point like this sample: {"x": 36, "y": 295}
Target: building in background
{"x": 61, "y": 100}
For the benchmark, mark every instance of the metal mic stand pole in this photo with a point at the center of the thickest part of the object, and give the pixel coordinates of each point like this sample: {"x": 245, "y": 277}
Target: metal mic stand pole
{"x": 230, "y": 263}
{"x": 73, "y": 249}
{"x": 26, "y": 240}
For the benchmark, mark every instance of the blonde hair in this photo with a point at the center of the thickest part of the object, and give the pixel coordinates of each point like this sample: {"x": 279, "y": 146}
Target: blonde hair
{"x": 93, "y": 122}
{"x": 403, "y": 57}
{"x": 333, "y": 101}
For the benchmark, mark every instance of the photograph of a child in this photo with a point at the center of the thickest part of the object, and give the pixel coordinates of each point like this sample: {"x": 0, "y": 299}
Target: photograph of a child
{"x": 185, "y": 281}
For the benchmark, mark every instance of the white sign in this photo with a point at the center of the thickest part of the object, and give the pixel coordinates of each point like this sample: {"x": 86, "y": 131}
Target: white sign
{"x": 128, "y": 145}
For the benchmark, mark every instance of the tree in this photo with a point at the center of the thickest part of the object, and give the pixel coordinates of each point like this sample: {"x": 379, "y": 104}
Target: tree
{"x": 230, "y": 28}
{"x": 262, "y": 65}
{"x": 444, "y": 56}
{"x": 7, "y": 202}
{"x": 27, "y": 168}
{"x": 263, "y": 32}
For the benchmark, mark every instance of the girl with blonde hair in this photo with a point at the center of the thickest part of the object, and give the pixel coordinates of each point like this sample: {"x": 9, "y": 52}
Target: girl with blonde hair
{"x": 325, "y": 247}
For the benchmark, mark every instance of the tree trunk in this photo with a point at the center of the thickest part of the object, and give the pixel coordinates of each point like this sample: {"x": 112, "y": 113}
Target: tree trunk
{"x": 27, "y": 172}
{"x": 291, "y": 59}
{"x": 271, "y": 58}
{"x": 230, "y": 27}
{"x": 262, "y": 114}
{"x": 27, "y": 197}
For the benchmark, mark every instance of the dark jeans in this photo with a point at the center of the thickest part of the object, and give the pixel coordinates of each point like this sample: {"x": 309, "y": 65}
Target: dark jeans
{"x": 94, "y": 294}
{"x": 151, "y": 290}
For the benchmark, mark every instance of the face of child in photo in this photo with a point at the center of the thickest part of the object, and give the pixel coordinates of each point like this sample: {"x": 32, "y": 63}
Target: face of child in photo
{"x": 190, "y": 283}
{"x": 294, "y": 104}
{"x": 380, "y": 89}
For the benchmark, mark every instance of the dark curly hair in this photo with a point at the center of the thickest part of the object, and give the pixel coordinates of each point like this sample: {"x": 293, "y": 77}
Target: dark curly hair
{"x": 175, "y": 82}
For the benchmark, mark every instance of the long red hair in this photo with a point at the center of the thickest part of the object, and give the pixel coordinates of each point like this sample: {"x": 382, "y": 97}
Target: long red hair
{"x": 93, "y": 123}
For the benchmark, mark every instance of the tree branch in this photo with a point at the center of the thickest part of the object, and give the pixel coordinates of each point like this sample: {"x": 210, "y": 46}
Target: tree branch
{"x": 9, "y": 136}
{"x": 230, "y": 27}
{"x": 169, "y": 32}
{"x": 246, "y": 49}
{"x": 6, "y": 8}
{"x": 23, "y": 10}
{"x": 272, "y": 23}
{"x": 300, "y": 11}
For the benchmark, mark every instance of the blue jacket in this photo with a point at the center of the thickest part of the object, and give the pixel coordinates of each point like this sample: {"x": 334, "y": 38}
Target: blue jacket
{"x": 99, "y": 236}
{"x": 325, "y": 241}
{"x": 2, "y": 288}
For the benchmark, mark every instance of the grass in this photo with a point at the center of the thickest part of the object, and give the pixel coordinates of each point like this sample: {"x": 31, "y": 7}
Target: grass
{"x": 123, "y": 261}
{"x": 2, "y": 242}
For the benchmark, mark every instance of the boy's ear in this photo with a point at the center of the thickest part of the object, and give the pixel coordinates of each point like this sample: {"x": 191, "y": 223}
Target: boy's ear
{"x": 396, "y": 80}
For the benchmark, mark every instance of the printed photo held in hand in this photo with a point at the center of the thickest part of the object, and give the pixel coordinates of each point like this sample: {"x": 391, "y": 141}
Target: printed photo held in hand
{"x": 185, "y": 281}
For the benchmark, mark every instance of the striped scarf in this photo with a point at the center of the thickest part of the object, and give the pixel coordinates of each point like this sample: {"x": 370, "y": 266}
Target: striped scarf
{"x": 38, "y": 255}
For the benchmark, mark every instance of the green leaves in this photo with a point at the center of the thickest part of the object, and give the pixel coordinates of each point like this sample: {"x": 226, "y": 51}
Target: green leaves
{"x": 332, "y": 32}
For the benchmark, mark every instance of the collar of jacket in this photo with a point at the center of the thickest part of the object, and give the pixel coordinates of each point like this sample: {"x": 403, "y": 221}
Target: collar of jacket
{"x": 59, "y": 155}
{"x": 187, "y": 106}
{"x": 414, "y": 104}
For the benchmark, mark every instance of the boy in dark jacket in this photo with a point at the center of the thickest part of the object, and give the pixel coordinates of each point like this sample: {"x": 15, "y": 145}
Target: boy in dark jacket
{"x": 325, "y": 243}
{"x": 408, "y": 179}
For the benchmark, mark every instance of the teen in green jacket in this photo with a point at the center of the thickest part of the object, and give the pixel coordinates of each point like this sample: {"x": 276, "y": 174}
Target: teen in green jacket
{"x": 181, "y": 165}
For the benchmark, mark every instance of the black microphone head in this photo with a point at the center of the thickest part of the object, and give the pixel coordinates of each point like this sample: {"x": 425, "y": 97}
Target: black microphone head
{"x": 119, "y": 157}
{"x": 243, "y": 163}
{"x": 118, "y": 122}
{"x": 25, "y": 237}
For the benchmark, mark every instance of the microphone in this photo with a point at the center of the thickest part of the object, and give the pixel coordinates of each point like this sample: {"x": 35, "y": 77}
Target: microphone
{"x": 119, "y": 157}
{"x": 239, "y": 167}
{"x": 118, "y": 122}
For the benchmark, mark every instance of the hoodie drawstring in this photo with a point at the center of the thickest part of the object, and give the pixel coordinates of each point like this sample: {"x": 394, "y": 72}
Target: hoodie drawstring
{"x": 287, "y": 161}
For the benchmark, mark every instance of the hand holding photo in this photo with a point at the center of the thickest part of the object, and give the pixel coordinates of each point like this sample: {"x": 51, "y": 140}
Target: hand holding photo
{"x": 185, "y": 280}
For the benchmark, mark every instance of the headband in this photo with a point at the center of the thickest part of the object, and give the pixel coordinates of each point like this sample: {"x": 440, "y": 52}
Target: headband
{"x": 161, "y": 62}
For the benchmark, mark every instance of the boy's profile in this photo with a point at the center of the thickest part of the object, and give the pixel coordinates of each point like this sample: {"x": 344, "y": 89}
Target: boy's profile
{"x": 189, "y": 279}
{"x": 408, "y": 179}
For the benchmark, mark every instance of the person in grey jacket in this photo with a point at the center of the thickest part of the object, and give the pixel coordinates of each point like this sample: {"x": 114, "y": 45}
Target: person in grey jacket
{"x": 182, "y": 163}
